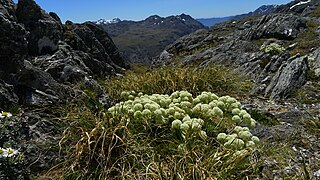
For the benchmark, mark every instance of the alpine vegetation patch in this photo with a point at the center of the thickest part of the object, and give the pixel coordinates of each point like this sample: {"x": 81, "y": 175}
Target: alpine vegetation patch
{"x": 272, "y": 48}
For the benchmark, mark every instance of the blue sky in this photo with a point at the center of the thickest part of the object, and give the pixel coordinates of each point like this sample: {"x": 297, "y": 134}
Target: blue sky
{"x": 89, "y": 10}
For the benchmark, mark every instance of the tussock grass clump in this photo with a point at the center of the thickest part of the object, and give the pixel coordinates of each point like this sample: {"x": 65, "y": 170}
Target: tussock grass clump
{"x": 167, "y": 80}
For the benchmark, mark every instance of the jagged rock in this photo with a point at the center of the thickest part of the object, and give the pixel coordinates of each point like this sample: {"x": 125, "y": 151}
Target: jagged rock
{"x": 67, "y": 65}
{"x": 7, "y": 8}
{"x": 91, "y": 39}
{"x": 289, "y": 78}
{"x": 164, "y": 58}
{"x": 272, "y": 66}
{"x": 45, "y": 31}
{"x": 314, "y": 62}
{"x": 56, "y": 17}
{"x": 107, "y": 43}
{"x": 13, "y": 45}
{"x": 7, "y": 96}
{"x": 38, "y": 87}
{"x": 280, "y": 26}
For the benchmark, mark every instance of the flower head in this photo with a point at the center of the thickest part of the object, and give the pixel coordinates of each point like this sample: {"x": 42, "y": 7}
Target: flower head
{"x": 9, "y": 152}
{"x": 5, "y": 114}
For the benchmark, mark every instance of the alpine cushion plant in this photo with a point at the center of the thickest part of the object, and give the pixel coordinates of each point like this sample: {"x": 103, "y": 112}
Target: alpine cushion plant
{"x": 162, "y": 135}
{"x": 188, "y": 117}
{"x": 273, "y": 49}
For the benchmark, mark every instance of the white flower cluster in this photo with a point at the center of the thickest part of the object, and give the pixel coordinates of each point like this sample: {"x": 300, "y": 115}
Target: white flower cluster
{"x": 5, "y": 115}
{"x": 240, "y": 139}
{"x": 186, "y": 114}
{"x": 272, "y": 48}
{"x": 8, "y": 152}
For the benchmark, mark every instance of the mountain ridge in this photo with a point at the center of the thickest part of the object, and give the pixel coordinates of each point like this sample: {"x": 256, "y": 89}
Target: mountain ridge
{"x": 264, "y": 9}
{"x": 141, "y": 41}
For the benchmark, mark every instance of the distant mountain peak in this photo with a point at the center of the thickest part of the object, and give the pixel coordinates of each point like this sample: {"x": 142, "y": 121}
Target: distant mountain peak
{"x": 265, "y": 9}
{"x": 106, "y": 22}
{"x": 141, "y": 41}
{"x": 158, "y": 20}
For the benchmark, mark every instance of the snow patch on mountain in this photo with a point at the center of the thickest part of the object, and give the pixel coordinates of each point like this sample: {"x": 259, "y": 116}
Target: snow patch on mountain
{"x": 106, "y": 22}
{"x": 300, "y": 3}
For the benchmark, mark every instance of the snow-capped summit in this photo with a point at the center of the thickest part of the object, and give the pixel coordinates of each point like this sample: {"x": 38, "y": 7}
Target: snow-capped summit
{"x": 106, "y": 22}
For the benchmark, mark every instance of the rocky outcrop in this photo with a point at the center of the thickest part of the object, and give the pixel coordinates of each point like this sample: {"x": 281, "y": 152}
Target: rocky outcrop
{"x": 40, "y": 57}
{"x": 67, "y": 65}
{"x": 44, "y": 30}
{"x": 13, "y": 43}
{"x": 236, "y": 44}
{"x": 279, "y": 26}
{"x": 38, "y": 87}
{"x": 7, "y": 8}
{"x": 314, "y": 61}
{"x": 289, "y": 78}
{"x": 45, "y": 64}
{"x": 92, "y": 39}
{"x": 107, "y": 44}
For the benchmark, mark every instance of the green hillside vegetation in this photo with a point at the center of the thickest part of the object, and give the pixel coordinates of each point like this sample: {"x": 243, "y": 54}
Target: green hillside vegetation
{"x": 149, "y": 41}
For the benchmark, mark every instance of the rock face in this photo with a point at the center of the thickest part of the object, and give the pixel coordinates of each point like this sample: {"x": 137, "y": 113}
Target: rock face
{"x": 314, "y": 61}
{"x": 45, "y": 31}
{"x": 91, "y": 38}
{"x": 7, "y": 8}
{"x": 40, "y": 56}
{"x": 38, "y": 87}
{"x": 238, "y": 43}
{"x": 289, "y": 78}
{"x": 13, "y": 43}
{"x": 67, "y": 65}
{"x": 280, "y": 26}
